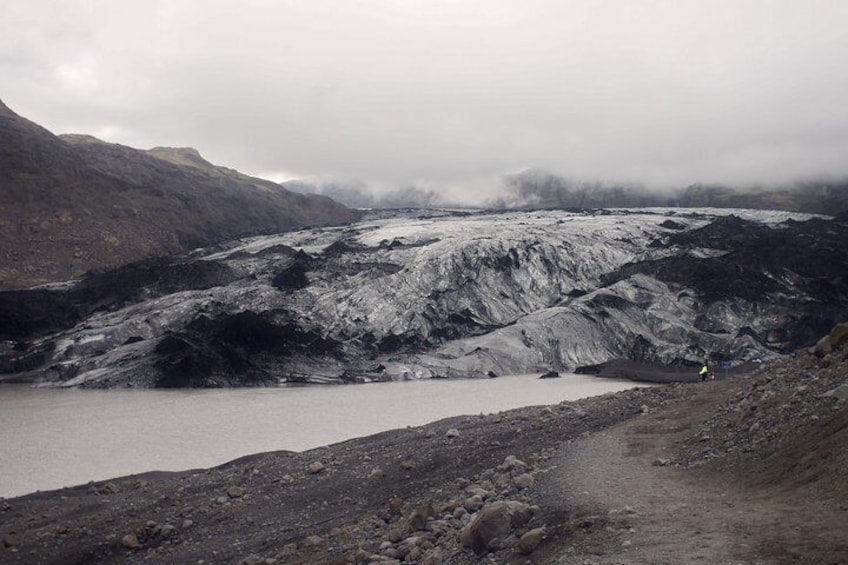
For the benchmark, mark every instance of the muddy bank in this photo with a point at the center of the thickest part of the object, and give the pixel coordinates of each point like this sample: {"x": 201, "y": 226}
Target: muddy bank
{"x": 663, "y": 374}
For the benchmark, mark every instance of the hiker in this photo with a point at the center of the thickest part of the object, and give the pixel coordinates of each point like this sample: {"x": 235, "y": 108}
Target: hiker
{"x": 705, "y": 373}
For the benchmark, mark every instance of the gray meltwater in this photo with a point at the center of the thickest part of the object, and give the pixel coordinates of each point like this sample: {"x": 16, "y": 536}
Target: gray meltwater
{"x": 54, "y": 438}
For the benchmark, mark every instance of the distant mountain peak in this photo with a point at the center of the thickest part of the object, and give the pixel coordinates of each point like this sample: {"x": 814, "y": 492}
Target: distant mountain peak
{"x": 181, "y": 156}
{"x": 6, "y": 111}
{"x": 80, "y": 138}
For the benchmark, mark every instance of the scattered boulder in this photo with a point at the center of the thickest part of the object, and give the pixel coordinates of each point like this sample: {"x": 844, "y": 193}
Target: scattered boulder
{"x": 452, "y": 433}
{"x": 394, "y": 535}
{"x": 315, "y": 468}
{"x": 418, "y": 519}
{"x": 524, "y": 481}
{"x": 531, "y": 540}
{"x": 839, "y": 335}
{"x": 513, "y": 465}
{"x": 433, "y": 557}
{"x": 840, "y": 392}
{"x": 550, "y": 375}
{"x": 10, "y": 539}
{"x": 494, "y": 522}
{"x": 312, "y": 541}
{"x": 822, "y": 347}
{"x": 130, "y": 541}
{"x": 836, "y": 339}
{"x": 110, "y": 488}
{"x": 474, "y": 503}
{"x": 235, "y": 492}
{"x": 395, "y": 506}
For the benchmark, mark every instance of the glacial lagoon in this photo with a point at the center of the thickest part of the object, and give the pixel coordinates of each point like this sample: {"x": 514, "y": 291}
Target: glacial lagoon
{"x": 51, "y": 438}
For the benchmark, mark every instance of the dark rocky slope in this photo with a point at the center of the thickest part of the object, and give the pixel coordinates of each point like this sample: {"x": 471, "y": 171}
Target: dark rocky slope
{"x": 789, "y": 426}
{"x": 72, "y": 203}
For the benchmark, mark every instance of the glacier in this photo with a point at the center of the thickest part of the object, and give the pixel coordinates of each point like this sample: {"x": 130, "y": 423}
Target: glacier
{"x": 413, "y": 294}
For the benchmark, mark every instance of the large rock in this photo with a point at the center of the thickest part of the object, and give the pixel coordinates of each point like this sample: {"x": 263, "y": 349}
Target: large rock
{"x": 531, "y": 540}
{"x": 494, "y": 522}
{"x": 840, "y": 392}
{"x": 836, "y": 339}
{"x": 130, "y": 541}
{"x": 839, "y": 335}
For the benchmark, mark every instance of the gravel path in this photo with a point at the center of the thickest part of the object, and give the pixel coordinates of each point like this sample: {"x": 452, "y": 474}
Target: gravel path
{"x": 634, "y": 504}
{"x": 657, "y": 514}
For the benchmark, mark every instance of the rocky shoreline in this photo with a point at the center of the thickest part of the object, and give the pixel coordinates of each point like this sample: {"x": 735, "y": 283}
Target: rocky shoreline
{"x": 659, "y": 374}
{"x": 485, "y": 488}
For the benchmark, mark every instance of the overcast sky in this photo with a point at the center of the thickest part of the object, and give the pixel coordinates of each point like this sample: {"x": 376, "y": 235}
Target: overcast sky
{"x": 446, "y": 93}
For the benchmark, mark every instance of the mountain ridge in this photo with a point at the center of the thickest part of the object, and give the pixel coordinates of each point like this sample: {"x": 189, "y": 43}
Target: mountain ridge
{"x": 537, "y": 189}
{"x": 73, "y": 203}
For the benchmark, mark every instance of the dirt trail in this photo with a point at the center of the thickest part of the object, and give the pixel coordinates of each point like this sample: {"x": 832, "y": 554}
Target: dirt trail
{"x": 633, "y": 510}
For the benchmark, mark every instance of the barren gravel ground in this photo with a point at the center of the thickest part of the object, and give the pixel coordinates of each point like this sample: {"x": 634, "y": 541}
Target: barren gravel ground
{"x": 655, "y": 513}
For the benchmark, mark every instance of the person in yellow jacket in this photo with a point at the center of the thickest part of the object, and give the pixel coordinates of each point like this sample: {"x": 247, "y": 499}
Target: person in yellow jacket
{"x": 705, "y": 373}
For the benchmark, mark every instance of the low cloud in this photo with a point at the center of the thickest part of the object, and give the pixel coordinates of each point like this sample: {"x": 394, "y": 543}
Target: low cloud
{"x": 440, "y": 99}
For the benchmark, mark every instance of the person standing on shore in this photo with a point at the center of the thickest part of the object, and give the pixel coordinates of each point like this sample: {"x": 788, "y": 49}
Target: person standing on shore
{"x": 705, "y": 373}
